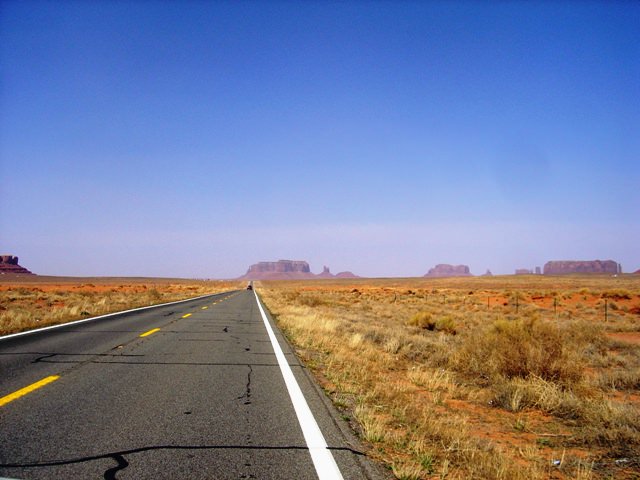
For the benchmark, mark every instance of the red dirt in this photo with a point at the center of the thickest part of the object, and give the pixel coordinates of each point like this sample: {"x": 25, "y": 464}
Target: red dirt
{"x": 629, "y": 337}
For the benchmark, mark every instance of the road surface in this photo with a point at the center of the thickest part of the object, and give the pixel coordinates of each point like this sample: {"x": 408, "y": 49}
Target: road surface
{"x": 187, "y": 390}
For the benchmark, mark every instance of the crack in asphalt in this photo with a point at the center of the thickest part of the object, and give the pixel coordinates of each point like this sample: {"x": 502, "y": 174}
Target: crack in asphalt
{"x": 205, "y": 364}
{"x": 247, "y": 394}
{"x": 43, "y": 358}
{"x": 134, "y": 342}
{"x": 200, "y": 340}
{"x": 122, "y": 463}
{"x": 247, "y": 421}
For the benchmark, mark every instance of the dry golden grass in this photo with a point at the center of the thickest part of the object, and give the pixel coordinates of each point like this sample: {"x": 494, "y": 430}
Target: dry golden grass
{"x": 498, "y": 378}
{"x": 27, "y": 303}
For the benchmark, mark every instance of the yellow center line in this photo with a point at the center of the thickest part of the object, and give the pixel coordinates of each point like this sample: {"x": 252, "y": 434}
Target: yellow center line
{"x": 186, "y": 316}
{"x": 23, "y": 391}
{"x": 204, "y": 308}
{"x": 149, "y": 332}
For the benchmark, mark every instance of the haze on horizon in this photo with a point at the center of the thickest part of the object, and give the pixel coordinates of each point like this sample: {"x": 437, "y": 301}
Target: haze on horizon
{"x": 196, "y": 138}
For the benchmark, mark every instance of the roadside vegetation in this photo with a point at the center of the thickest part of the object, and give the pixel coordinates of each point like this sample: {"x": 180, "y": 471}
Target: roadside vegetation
{"x": 488, "y": 378}
{"x": 39, "y": 303}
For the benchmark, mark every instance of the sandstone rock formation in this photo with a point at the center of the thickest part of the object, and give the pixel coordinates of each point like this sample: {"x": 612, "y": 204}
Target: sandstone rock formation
{"x": 288, "y": 270}
{"x": 326, "y": 273}
{"x": 565, "y": 267}
{"x": 524, "y": 271}
{"x": 446, "y": 270}
{"x": 281, "y": 266}
{"x": 346, "y": 275}
{"x": 9, "y": 264}
{"x": 487, "y": 273}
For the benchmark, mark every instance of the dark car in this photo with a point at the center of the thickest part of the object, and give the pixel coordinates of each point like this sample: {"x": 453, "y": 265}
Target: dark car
{"x": 250, "y": 286}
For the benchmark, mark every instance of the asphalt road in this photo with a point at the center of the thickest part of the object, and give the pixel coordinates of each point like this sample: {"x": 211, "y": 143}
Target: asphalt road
{"x": 201, "y": 395}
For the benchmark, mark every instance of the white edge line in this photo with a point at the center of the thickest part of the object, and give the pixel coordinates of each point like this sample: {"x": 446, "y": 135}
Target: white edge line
{"x": 323, "y": 461}
{"x": 76, "y": 322}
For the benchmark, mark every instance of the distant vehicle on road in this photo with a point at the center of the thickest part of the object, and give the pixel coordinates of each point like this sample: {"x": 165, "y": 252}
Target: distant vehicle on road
{"x": 250, "y": 286}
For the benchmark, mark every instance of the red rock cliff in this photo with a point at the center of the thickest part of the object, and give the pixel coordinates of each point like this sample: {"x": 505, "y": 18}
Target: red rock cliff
{"x": 288, "y": 270}
{"x": 9, "y": 264}
{"x": 281, "y": 266}
{"x": 446, "y": 270}
{"x": 564, "y": 267}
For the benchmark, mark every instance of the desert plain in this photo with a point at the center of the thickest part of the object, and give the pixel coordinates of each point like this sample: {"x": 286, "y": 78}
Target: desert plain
{"x": 504, "y": 377}
{"x": 35, "y": 301}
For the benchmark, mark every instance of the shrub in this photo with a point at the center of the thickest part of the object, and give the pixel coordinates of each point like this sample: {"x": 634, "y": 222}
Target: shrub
{"x": 446, "y": 324}
{"x": 618, "y": 294}
{"x": 426, "y": 321}
{"x": 517, "y": 394}
{"x": 155, "y": 295}
{"x": 311, "y": 300}
{"x": 422, "y": 320}
{"x": 611, "y": 425}
{"x": 520, "y": 349}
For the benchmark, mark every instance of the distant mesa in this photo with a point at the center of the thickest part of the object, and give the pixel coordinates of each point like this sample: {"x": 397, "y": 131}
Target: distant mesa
{"x": 9, "y": 264}
{"x": 567, "y": 267}
{"x": 529, "y": 271}
{"x": 446, "y": 270}
{"x": 281, "y": 266}
{"x": 487, "y": 273}
{"x": 348, "y": 274}
{"x": 289, "y": 270}
{"x": 524, "y": 271}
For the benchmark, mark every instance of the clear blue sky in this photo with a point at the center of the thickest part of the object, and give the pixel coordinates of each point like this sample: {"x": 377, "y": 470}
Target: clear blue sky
{"x": 196, "y": 138}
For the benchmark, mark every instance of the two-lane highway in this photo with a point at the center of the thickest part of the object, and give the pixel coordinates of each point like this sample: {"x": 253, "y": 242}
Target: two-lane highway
{"x": 196, "y": 389}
